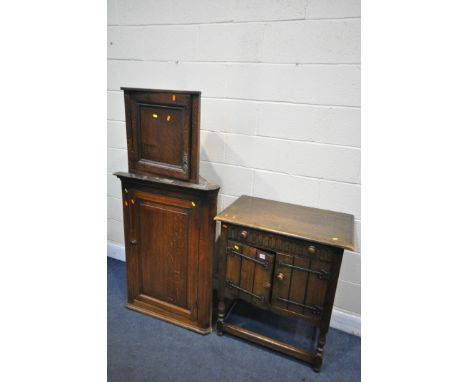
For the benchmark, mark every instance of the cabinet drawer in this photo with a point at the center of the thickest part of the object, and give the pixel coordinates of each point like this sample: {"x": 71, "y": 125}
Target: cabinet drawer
{"x": 277, "y": 243}
{"x": 248, "y": 273}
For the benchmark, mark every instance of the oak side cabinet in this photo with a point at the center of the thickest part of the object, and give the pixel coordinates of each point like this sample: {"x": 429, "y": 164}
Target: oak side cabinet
{"x": 169, "y": 239}
{"x": 285, "y": 259}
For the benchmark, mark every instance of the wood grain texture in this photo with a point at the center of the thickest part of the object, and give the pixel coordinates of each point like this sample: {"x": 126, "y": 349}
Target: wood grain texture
{"x": 245, "y": 269}
{"x": 163, "y": 129}
{"x": 169, "y": 239}
{"x": 301, "y": 281}
{"x": 323, "y": 226}
{"x": 202, "y": 185}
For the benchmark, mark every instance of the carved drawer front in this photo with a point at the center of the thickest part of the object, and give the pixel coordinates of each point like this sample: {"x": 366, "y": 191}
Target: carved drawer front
{"x": 300, "y": 284}
{"x": 248, "y": 273}
{"x": 278, "y": 243}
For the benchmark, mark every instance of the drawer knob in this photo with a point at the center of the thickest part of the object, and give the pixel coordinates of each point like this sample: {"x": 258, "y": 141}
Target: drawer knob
{"x": 244, "y": 234}
{"x": 280, "y": 276}
{"x": 312, "y": 250}
{"x": 267, "y": 285}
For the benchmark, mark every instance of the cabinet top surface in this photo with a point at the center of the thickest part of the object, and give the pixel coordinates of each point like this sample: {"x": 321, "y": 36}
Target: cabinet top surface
{"x": 322, "y": 226}
{"x": 201, "y": 185}
{"x": 196, "y": 92}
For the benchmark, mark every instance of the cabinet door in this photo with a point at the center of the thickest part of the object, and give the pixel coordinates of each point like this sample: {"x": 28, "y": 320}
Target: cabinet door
{"x": 165, "y": 253}
{"x": 300, "y": 285}
{"x": 160, "y": 133}
{"x": 248, "y": 273}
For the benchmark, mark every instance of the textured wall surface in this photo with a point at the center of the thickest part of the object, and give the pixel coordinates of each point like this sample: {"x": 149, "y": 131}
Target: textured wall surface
{"x": 280, "y": 113}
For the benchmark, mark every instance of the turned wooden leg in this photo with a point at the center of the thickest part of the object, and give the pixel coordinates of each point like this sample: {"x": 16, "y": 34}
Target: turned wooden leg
{"x": 318, "y": 359}
{"x": 221, "y": 313}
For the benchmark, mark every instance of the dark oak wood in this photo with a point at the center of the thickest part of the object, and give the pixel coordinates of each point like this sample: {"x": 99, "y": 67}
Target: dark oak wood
{"x": 202, "y": 184}
{"x": 169, "y": 241}
{"x": 283, "y": 258}
{"x": 321, "y": 226}
{"x": 163, "y": 132}
{"x": 290, "y": 350}
{"x": 248, "y": 273}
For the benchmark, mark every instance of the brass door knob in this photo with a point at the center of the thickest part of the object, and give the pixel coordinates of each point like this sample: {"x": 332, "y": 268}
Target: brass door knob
{"x": 280, "y": 276}
{"x": 312, "y": 250}
{"x": 244, "y": 234}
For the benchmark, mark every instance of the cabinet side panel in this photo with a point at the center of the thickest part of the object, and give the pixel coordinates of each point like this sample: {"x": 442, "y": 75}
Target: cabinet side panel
{"x": 195, "y": 141}
{"x": 130, "y": 137}
{"x": 205, "y": 260}
{"x": 221, "y": 253}
{"x": 331, "y": 290}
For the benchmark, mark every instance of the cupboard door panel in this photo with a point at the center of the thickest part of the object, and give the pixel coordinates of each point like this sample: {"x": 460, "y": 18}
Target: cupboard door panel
{"x": 161, "y": 142}
{"x": 163, "y": 135}
{"x": 302, "y": 287}
{"x": 167, "y": 251}
{"x": 163, "y": 132}
{"x": 248, "y": 273}
{"x": 164, "y": 261}
{"x": 233, "y": 270}
{"x": 317, "y": 286}
{"x": 298, "y": 284}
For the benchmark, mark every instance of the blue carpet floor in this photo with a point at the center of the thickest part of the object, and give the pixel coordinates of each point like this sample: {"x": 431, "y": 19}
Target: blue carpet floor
{"x": 141, "y": 348}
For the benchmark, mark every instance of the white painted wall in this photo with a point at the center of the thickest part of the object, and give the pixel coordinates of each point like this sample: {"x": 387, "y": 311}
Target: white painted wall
{"x": 280, "y": 113}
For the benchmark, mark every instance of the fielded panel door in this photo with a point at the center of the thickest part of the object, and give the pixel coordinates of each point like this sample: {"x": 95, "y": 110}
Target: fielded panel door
{"x": 166, "y": 253}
